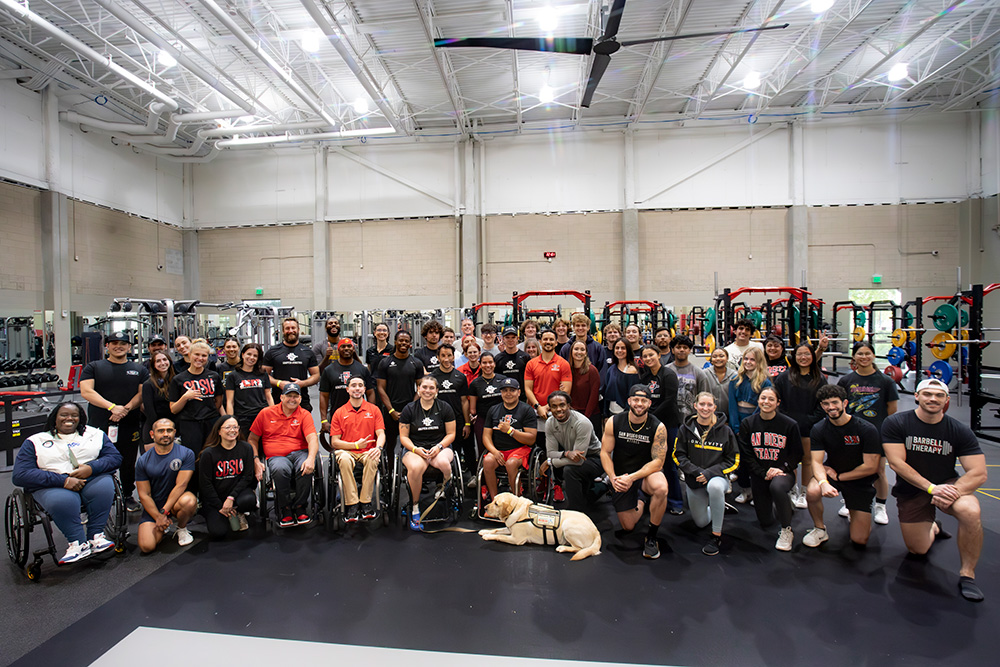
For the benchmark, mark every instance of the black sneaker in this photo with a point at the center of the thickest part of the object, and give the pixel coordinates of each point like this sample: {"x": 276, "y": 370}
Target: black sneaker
{"x": 712, "y": 547}
{"x": 651, "y": 549}
{"x": 677, "y": 511}
{"x": 132, "y": 505}
{"x": 368, "y": 511}
{"x": 352, "y": 513}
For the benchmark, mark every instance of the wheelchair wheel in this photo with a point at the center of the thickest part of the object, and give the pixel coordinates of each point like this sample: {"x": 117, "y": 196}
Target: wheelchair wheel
{"x": 318, "y": 495}
{"x": 34, "y": 571}
{"x": 397, "y": 480}
{"x": 542, "y": 489}
{"x": 116, "y": 528}
{"x": 332, "y": 496}
{"x": 17, "y": 525}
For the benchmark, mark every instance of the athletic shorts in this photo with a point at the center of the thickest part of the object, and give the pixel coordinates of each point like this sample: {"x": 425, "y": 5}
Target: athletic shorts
{"x": 857, "y": 496}
{"x": 523, "y": 453}
{"x": 627, "y": 500}
{"x": 917, "y": 508}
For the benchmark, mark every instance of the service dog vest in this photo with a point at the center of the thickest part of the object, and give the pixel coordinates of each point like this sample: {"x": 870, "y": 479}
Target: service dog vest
{"x": 547, "y": 519}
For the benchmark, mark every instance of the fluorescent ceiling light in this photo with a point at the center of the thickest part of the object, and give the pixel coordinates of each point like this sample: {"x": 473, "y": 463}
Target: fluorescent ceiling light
{"x": 546, "y": 94}
{"x": 310, "y": 40}
{"x": 820, "y": 6}
{"x": 165, "y": 59}
{"x": 548, "y": 19}
{"x": 751, "y": 81}
{"x": 360, "y": 105}
{"x": 898, "y": 72}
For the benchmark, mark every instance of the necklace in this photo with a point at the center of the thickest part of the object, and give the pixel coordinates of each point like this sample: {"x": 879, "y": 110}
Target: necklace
{"x": 641, "y": 426}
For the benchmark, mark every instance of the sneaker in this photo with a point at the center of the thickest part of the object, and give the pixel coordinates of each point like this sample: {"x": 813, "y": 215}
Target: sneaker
{"x": 731, "y": 509}
{"x": 815, "y": 537}
{"x": 184, "y": 537}
{"x": 784, "y": 542}
{"x": 484, "y": 494}
{"x": 287, "y": 521}
{"x": 471, "y": 484}
{"x": 745, "y": 496}
{"x": 415, "y": 521}
{"x": 302, "y": 519}
{"x": 844, "y": 512}
{"x": 132, "y": 505}
{"x": 74, "y": 552}
{"x": 352, "y": 513}
{"x": 651, "y": 549}
{"x": 99, "y": 543}
{"x": 799, "y": 501}
{"x": 368, "y": 511}
{"x": 558, "y": 495}
{"x": 676, "y": 511}
{"x": 879, "y": 515}
{"x": 713, "y": 546}
{"x": 242, "y": 518}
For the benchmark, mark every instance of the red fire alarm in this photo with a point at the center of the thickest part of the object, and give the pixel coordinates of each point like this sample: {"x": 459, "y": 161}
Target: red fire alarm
{"x": 550, "y": 256}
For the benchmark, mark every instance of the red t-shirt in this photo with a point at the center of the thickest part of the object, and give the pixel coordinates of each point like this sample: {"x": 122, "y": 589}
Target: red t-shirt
{"x": 281, "y": 435}
{"x": 352, "y": 424}
{"x": 546, "y": 377}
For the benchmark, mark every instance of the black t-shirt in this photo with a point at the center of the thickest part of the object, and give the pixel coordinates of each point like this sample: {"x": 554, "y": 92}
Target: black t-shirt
{"x": 209, "y": 384}
{"x": 868, "y": 395}
{"x": 798, "y": 401}
{"x": 521, "y": 417}
{"x": 513, "y": 365}
{"x": 224, "y": 472}
{"x": 663, "y": 393}
{"x": 224, "y": 369}
{"x": 334, "y": 381}
{"x": 776, "y": 367}
{"x": 487, "y": 393}
{"x": 633, "y": 444}
{"x": 118, "y": 383}
{"x": 931, "y": 449}
{"x": 373, "y": 356}
{"x": 181, "y": 365}
{"x": 289, "y": 363}
{"x": 452, "y": 386}
{"x": 846, "y": 445}
{"x": 428, "y": 357}
{"x": 249, "y": 392}
{"x": 427, "y": 427}
{"x": 400, "y": 377}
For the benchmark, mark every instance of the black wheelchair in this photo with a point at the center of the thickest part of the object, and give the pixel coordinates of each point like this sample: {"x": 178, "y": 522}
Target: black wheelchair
{"x": 524, "y": 484}
{"x": 439, "y": 503}
{"x": 22, "y": 514}
{"x": 266, "y": 506}
{"x": 381, "y": 495}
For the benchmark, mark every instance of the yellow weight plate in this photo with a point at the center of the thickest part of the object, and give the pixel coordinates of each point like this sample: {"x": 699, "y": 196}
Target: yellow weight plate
{"x": 756, "y": 334}
{"x": 858, "y": 334}
{"x": 898, "y": 338}
{"x": 943, "y": 346}
{"x": 964, "y": 335}
{"x": 912, "y": 335}
{"x": 710, "y": 343}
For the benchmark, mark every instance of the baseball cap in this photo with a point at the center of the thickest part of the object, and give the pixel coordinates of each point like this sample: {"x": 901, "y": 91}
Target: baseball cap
{"x": 291, "y": 388}
{"x": 156, "y": 339}
{"x": 931, "y": 383}
{"x": 510, "y": 383}
{"x": 118, "y": 336}
{"x": 640, "y": 390}
{"x": 508, "y": 331}
{"x": 345, "y": 341}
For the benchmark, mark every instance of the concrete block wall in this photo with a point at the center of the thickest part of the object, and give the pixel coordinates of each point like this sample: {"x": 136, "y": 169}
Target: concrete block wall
{"x": 233, "y": 263}
{"x": 21, "y": 280}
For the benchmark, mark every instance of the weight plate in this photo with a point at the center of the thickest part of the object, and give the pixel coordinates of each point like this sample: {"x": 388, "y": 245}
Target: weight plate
{"x": 943, "y": 346}
{"x": 941, "y": 370}
{"x": 945, "y": 317}
{"x": 896, "y": 355}
{"x": 898, "y": 338}
{"x": 858, "y": 334}
{"x": 860, "y": 318}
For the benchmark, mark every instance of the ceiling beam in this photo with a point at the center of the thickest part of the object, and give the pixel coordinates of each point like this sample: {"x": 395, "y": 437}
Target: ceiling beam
{"x": 658, "y": 56}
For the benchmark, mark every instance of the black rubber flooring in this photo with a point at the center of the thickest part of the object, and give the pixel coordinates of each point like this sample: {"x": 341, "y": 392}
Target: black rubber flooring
{"x": 453, "y": 592}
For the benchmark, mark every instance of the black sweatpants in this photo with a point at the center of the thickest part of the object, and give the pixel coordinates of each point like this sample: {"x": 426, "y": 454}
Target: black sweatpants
{"x": 771, "y": 498}
{"x": 218, "y": 525}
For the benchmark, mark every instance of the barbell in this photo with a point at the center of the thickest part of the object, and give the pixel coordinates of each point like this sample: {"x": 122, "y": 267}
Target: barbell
{"x": 943, "y": 345}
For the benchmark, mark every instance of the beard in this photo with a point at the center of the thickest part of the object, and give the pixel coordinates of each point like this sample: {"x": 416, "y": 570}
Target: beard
{"x": 292, "y": 338}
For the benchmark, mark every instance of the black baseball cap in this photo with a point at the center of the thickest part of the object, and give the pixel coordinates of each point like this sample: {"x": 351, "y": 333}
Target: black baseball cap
{"x": 118, "y": 336}
{"x": 291, "y": 388}
{"x": 156, "y": 339}
{"x": 640, "y": 390}
{"x": 508, "y": 331}
{"x": 510, "y": 383}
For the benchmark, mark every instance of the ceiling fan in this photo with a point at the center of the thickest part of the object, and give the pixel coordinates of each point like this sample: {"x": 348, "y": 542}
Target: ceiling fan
{"x": 604, "y": 46}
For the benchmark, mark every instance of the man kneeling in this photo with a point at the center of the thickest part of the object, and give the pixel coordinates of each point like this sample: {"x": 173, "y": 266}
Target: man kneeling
{"x": 161, "y": 477}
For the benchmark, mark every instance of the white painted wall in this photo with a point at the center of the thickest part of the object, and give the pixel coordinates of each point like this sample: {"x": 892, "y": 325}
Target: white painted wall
{"x": 989, "y": 137}
{"x": 22, "y": 157}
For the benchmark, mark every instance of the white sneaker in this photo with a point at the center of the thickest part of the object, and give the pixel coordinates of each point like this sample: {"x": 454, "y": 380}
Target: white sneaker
{"x": 744, "y": 497}
{"x": 799, "y": 501}
{"x": 74, "y": 552}
{"x": 243, "y": 521}
{"x": 99, "y": 543}
{"x": 184, "y": 537}
{"x": 814, "y": 537}
{"x": 879, "y": 515}
{"x": 844, "y": 512}
{"x": 784, "y": 542}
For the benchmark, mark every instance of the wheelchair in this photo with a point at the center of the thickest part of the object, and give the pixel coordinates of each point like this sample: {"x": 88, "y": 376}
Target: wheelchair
{"x": 22, "y": 514}
{"x": 266, "y": 505}
{"x": 334, "y": 518}
{"x": 432, "y": 484}
{"x": 524, "y": 484}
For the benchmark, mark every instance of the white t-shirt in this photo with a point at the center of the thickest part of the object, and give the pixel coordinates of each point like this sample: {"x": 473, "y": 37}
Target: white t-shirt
{"x": 736, "y": 353}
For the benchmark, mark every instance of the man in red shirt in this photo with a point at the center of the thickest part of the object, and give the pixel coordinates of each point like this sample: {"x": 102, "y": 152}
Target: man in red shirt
{"x": 545, "y": 374}
{"x": 288, "y": 436}
{"x": 357, "y": 434}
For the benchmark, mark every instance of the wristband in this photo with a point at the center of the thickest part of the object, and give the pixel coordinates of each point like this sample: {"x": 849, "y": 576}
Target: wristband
{"x": 113, "y": 406}
{"x": 824, "y": 481}
{"x": 468, "y": 423}
{"x": 510, "y": 430}
{"x": 323, "y": 421}
{"x": 392, "y": 411}
{"x": 279, "y": 384}
{"x": 357, "y": 446}
{"x": 930, "y": 489}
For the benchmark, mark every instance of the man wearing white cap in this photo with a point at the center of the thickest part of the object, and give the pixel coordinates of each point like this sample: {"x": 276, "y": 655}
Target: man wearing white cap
{"x": 922, "y": 446}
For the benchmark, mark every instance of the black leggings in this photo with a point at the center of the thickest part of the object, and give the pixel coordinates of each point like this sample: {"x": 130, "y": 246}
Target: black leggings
{"x": 771, "y": 498}
{"x": 218, "y": 525}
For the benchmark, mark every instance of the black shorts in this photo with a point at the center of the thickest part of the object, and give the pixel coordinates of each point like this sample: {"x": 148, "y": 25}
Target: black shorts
{"x": 627, "y": 500}
{"x": 858, "y": 496}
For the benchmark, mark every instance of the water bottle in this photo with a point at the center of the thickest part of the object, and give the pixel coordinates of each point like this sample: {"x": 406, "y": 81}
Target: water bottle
{"x": 234, "y": 522}
{"x": 113, "y": 433}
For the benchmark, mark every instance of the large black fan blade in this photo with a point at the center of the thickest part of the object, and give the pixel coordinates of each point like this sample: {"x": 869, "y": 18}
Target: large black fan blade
{"x": 614, "y": 19}
{"x": 633, "y": 42}
{"x": 578, "y": 45}
{"x": 601, "y": 62}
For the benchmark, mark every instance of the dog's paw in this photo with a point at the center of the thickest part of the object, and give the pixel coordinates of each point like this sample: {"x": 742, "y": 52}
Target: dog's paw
{"x": 484, "y": 532}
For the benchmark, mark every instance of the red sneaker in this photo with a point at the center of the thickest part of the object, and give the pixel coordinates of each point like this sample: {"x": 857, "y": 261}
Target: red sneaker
{"x": 558, "y": 495}
{"x": 302, "y": 519}
{"x": 287, "y": 521}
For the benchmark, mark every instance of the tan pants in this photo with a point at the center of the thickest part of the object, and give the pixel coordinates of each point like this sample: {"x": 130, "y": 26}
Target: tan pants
{"x": 347, "y": 460}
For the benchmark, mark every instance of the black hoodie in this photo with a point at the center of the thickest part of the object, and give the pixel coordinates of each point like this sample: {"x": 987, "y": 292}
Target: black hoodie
{"x": 715, "y": 456}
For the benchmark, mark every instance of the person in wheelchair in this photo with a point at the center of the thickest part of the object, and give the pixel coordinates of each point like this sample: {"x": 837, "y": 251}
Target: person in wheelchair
{"x": 357, "y": 435}
{"x": 287, "y": 435}
{"x": 508, "y": 435}
{"x": 426, "y": 432}
{"x": 573, "y": 448}
{"x": 66, "y": 466}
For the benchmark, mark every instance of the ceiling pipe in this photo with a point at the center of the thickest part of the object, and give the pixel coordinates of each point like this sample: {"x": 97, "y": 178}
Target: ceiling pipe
{"x": 333, "y": 35}
{"x": 129, "y": 19}
{"x": 263, "y": 142}
{"x": 87, "y": 52}
{"x": 267, "y": 127}
{"x": 150, "y": 128}
{"x": 202, "y": 116}
{"x": 16, "y": 73}
{"x": 223, "y": 17}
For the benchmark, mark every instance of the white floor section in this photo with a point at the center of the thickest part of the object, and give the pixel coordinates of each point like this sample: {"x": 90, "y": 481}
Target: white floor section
{"x": 154, "y": 647}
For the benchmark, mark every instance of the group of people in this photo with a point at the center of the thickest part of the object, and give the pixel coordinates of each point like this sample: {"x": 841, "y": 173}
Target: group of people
{"x": 638, "y": 421}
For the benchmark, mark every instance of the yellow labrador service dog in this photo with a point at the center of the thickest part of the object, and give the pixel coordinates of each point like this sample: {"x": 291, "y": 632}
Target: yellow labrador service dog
{"x": 539, "y": 524}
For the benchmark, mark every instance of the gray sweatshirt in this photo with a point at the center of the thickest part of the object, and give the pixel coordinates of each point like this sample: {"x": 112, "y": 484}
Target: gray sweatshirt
{"x": 576, "y": 433}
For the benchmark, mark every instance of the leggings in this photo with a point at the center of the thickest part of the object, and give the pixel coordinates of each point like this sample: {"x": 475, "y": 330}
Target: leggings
{"x": 708, "y": 503}
{"x": 771, "y": 498}
{"x": 64, "y": 506}
{"x": 218, "y": 525}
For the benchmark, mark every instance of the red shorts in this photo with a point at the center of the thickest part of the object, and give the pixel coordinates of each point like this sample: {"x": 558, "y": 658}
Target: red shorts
{"x": 523, "y": 453}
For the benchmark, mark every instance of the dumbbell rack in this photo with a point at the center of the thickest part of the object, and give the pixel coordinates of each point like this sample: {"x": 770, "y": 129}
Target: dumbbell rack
{"x": 12, "y": 374}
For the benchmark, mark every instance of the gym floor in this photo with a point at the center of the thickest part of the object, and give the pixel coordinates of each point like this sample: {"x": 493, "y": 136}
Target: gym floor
{"x": 454, "y": 593}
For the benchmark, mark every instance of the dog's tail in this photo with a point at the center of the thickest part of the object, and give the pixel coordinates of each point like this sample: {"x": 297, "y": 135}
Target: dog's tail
{"x": 592, "y": 550}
